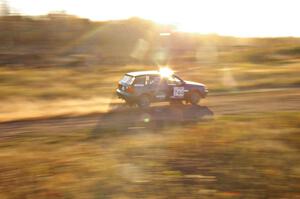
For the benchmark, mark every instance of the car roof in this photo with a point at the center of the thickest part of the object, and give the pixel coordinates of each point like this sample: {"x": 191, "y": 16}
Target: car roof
{"x": 140, "y": 73}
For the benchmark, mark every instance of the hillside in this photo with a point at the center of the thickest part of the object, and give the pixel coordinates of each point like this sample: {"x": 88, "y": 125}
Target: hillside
{"x": 66, "y": 40}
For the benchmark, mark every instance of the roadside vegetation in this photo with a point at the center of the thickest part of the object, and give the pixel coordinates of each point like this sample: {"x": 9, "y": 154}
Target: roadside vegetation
{"x": 240, "y": 156}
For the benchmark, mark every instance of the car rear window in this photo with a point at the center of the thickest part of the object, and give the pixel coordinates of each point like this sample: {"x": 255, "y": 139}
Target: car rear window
{"x": 127, "y": 79}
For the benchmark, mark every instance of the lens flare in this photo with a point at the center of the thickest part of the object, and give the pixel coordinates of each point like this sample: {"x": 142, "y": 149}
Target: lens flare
{"x": 166, "y": 72}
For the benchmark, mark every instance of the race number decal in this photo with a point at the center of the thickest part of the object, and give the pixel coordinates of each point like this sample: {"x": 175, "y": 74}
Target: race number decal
{"x": 178, "y": 92}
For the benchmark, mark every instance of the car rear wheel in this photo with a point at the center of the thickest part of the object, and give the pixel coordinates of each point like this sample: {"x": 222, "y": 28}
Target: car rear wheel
{"x": 195, "y": 98}
{"x": 144, "y": 102}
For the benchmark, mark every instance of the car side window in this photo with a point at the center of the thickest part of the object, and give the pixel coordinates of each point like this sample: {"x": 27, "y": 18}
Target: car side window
{"x": 139, "y": 81}
{"x": 154, "y": 80}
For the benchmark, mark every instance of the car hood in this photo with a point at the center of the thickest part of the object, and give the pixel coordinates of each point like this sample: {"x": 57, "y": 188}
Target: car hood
{"x": 194, "y": 83}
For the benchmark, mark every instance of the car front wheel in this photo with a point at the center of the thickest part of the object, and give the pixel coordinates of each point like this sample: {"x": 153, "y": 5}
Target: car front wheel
{"x": 195, "y": 98}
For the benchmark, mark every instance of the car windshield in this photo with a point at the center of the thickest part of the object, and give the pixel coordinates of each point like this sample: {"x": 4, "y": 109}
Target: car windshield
{"x": 127, "y": 79}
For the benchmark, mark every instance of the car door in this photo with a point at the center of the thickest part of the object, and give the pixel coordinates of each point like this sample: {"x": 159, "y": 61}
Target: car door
{"x": 139, "y": 84}
{"x": 176, "y": 88}
{"x": 158, "y": 87}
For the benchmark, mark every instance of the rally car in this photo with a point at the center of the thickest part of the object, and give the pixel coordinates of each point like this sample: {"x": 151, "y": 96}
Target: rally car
{"x": 144, "y": 87}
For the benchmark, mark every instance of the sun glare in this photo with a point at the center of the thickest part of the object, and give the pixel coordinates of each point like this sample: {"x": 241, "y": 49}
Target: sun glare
{"x": 249, "y": 18}
{"x": 166, "y": 72}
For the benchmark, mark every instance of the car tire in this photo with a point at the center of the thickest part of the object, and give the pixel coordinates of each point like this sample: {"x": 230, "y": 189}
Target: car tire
{"x": 195, "y": 98}
{"x": 144, "y": 102}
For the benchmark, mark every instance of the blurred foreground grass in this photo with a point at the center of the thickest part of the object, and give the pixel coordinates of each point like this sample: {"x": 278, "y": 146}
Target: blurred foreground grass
{"x": 234, "y": 156}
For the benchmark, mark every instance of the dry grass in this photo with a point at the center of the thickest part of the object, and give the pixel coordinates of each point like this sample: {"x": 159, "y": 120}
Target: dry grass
{"x": 246, "y": 156}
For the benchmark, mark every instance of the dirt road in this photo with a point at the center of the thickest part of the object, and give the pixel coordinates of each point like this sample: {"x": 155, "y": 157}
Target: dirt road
{"x": 124, "y": 117}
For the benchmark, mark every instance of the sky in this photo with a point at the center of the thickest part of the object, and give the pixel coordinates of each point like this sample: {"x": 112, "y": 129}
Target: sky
{"x": 242, "y": 18}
